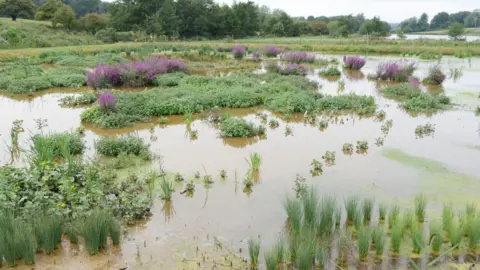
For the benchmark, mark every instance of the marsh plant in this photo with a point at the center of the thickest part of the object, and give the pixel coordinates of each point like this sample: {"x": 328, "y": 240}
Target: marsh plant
{"x": 300, "y": 186}
{"x": 273, "y": 123}
{"x": 298, "y": 57}
{"x": 351, "y": 207}
{"x": 288, "y": 130}
{"x": 407, "y": 220}
{"x": 331, "y": 71}
{"x": 473, "y": 231}
{"x": 379, "y": 240}
{"x": 223, "y": 174}
{"x": 193, "y": 134}
{"x": 189, "y": 189}
{"x": 238, "y": 127}
{"x": 364, "y": 239}
{"x": 396, "y": 238}
{"x": 270, "y": 260}
{"x": 238, "y": 52}
{"x": 329, "y": 157}
{"x": 398, "y": 71}
{"x": 293, "y": 209}
{"x": 362, "y": 146}
{"x": 447, "y": 217}
{"x": 380, "y": 115}
{"x": 16, "y": 241}
{"x": 477, "y": 110}
{"x": 196, "y": 175}
{"x": 436, "y": 236}
{"x": 99, "y": 225}
{"x": 385, "y": 128}
{"x": 353, "y": 62}
{"x": 418, "y": 239}
{"x": 379, "y": 141}
{"x": 317, "y": 167}
{"x": 347, "y": 148}
{"x": 425, "y": 130}
{"x": 255, "y": 161}
{"x": 322, "y": 124}
{"x": 187, "y": 118}
{"x": 367, "y": 209}
{"x": 290, "y": 69}
{"x": 48, "y": 232}
{"x": 262, "y": 116}
{"x": 254, "y": 251}
{"x": 166, "y": 189}
{"x": 393, "y": 215}
{"x": 470, "y": 210}
{"x": 455, "y": 234}
{"x": 435, "y": 75}
{"x": 420, "y": 205}
{"x": 341, "y": 85}
{"x": 455, "y": 74}
{"x": 163, "y": 120}
{"x": 178, "y": 177}
{"x": 382, "y": 212}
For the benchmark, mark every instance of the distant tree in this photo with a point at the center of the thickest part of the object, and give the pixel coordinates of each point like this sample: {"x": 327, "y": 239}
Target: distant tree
{"x": 153, "y": 24}
{"x": 459, "y": 17}
{"x": 302, "y": 27}
{"x": 409, "y": 25}
{"x": 169, "y": 19}
{"x": 65, "y": 15}
{"x": 93, "y": 22}
{"x": 82, "y": 7}
{"x": 456, "y": 30}
{"x": 48, "y": 9}
{"x": 310, "y": 18}
{"x": 374, "y": 27}
{"x": 473, "y": 20}
{"x": 278, "y": 30}
{"x": 422, "y": 24}
{"x": 440, "y": 21}
{"x": 400, "y": 33}
{"x": 337, "y": 29}
{"x": 319, "y": 28}
{"x": 18, "y": 8}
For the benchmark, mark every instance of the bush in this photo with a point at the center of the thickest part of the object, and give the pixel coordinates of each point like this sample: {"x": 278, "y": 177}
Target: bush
{"x": 292, "y": 69}
{"x": 425, "y": 102}
{"x": 111, "y": 146}
{"x": 29, "y": 85}
{"x": 237, "y": 127}
{"x": 435, "y": 75}
{"x": 331, "y": 71}
{"x": 403, "y": 90}
{"x": 270, "y": 51}
{"x": 56, "y": 141}
{"x": 299, "y": 57}
{"x": 353, "y": 62}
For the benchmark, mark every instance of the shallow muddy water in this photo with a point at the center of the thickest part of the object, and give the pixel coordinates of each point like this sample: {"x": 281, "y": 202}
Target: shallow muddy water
{"x": 443, "y": 166}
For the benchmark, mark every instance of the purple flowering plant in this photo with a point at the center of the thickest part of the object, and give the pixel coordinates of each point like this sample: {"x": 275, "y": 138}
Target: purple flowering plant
{"x": 353, "y": 62}
{"x": 270, "y": 51}
{"x": 291, "y": 69}
{"x": 395, "y": 71}
{"x": 107, "y": 101}
{"x": 299, "y": 57}
{"x": 238, "y": 52}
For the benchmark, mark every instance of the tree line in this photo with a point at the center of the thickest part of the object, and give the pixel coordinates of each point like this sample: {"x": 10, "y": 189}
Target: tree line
{"x": 441, "y": 20}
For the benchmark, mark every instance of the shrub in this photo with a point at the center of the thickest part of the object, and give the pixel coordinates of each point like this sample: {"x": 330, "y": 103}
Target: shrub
{"x": 237, "y": 127}
{"x": 238, "y": 52}
{"x": 403, "y": 90}
{"x": 425, "y": 102}
{"x": 132, "y": 74}
{"x": 56, "y": 141}
{"x": 353, "y": 62}
{"x": 331, "y": 71}
{"x": 395, "y": 71}
{"x": 299, "y": 57}
{"x": 270, "y": 51}
{"x": 26, "y": 85}
{"x": 292, "y": 69}
{"x": 256, "y": 56}
{"x": 111, "y": 146}
{"x": 435, "y": 75}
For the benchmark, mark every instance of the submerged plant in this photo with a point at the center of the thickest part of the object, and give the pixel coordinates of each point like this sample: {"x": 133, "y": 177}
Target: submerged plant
{"x": 329, "y": 157}
{"x": 254, "y": 251}
{"x": 347, "y": 148}
{"x": 367, "y": 208}
{"x": 353, "y": 62}
{"x": 364, "y": 239}
{"x": 351, "y": 207}
{"x": 317, "y": 167}
{"x": 420, "y": 204}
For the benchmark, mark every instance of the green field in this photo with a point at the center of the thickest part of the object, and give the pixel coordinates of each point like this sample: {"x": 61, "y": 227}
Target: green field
{"x": 468, "y": 32}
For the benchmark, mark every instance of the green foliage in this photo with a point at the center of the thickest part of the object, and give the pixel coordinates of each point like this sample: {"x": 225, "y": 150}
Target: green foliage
{"x": 76, "y": 100}
{"x": 16, "y": 240}
{"x": 293, "y": 208}
{"x": 393, "y": 215}
{"x": 418, "y": 239}
{"x": 425, "y": 130}
{"x": 64, "y": 16}
{"x": 367, "y": 208}
{"x": 167, "y": 189}
{"x": 238, "y": 127}
{"x": 396, "y": 238}
{"x": 414, "y": 99}
{"x": 378, "y": 239}
{"x": 374, "y": 27}
{"x": 473, "y": 231}
{"x": 95, "y": 229}
{"x": 351, "y": 207}
{"x": 331, "y": 71}
{"x": 382, "y": 211}
{"x": 364, "y": 239}
{"x": 18, "y": 8}
{"x": 29, "y": 85}
{"x": 56, "y": 141}
{"x": 420, "y": 204}
{"x": 436, "y": 236}
{"x": 255, "y": 161}
{"x": 254, "y": 251}
{"x": 48, "y": 232}
{"x": 48, "y": 9}
{"x": 112, "y": 146}
{"x": 456, "y": 30}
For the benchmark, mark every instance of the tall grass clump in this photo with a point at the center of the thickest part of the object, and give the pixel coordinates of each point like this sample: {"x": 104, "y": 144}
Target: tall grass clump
{"x": 364, "y": 239}
{"x": 16, "y": 241}
{"x": 254, "y": 251}
{"x": 166, "y": 189}
{"x": 132, "y": 74}
{"x": 54, "y": 143}
{"x": 48, "y": 232}
{"x": 279, "y": 250}
{"x": 291, "y": 69}
{"x": 473, "y": 231}
{"x": 293, "y": 208}
{"x": 353, "y": 62}
{"x": 331, "y": 71}
{"x": 310, "y": 207}
{"x": 306, "y": 249}
{"x": 435, "y": 75}
{"x": 408, "y": 220}
{"x": 255, "y": 161}
{"x": 298, "y": 57}
{"x": 351, "y": 206}
{"x": 420, "y": 204}
{"x": 112, "y": 146}
{"x": 95, "y": 229}
{"x": 471, "y": 210}
{"x": 270, "y": 260}
{"x": 367, "y": 208}
{"x": 393, "y": 215}
{"x": 238, "y": 127}
{"x": 397, "y": 71}
{"x": 382, "y": 212}
{"x": 436, "y": 236}
{"x": 396, "y": 238}
{"x": 455, "y": 234}
{"x": 379, "y": 240}
{"x": 447, "y": 217}
{"x": 238, "y": 52}
{"x": 327, "y": 216}
{"x": 418, "y": 239}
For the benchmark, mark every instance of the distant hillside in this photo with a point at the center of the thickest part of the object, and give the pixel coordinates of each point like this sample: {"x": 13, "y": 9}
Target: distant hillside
{"x": 38, "y": 34}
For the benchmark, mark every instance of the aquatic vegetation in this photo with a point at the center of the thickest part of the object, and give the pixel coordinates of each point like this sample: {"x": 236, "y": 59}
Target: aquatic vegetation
{"x": 96, "y": 228}
{"x": 418, "y": 240}
{"x": 306, "y": 248}
{"x": 329, "y": 157}
{"x": 426, "y": 102}
{"x": 351, "y": 207}
{"x": 382, "y": 212}
{"x": 455, "y": 74}
{"x": 473, "y": 231}
{"x": 16, "y": 240}
{"x": 273, "y": 123}
{"x": 279, "y": 250}
{"x": 132, "y": 74}
{"x": 436, "y": 236}
{"x": 270, "y": 260}
{"x": 310, "y": 203}
{"x": 223, "y": 174}
{"x": 367, "y": 208}
{"x": 362, "y": 146}
{"x": 262, "y": 116}
{"x": 288, "y": 130}
{"x": 166, "y": 189}
{"x": 298, "y": 57}
{"x": 48, "y": 232}
{"x": 238, "y": 52}
{"x": 189, "y": 189}
{"x": 238, "y": 127}
{"x": 447, "y": 217}
{"x": 187, "y": 118}
{"x": 317, "y": 167}
{"x": 393, "y": 215}
{"x": 254, "y": 251}
{"x": 256, "y": 56}
{"x": 331, "y": 71}
{"x": 426, "y": 130}
{"x": 353, "y": 62}
{"x": 364, "y": 239}
{"x": 80, "y": 130}
{"x": 455, "y": 234}
{"x": 255, "y": 161}
{"x": 396, "y": 238}
{"x": 55, "y": 142}
{"x": 379, "y": 141}
{"x": 196, "y": 175}
{"x": 385, "y": 128}
{"x": 347, "y": 148}
{"x": 477, "y": 110}
{"x": 379, "y": 240}
{"x": 328, "y": 208}
{"x": 106, "y": 102}
{"x": 291, "y": 69}
{"x": 300, "y": 186}
{"x": 77, "y": 100}
{"x": 293, "y": 208}
{"x": 430, "y": 56}
{"x": 163, "y": 120}
{"x": 471, "y": 210}
{"x": 462, "y": 54}
{"x": 112, "y": 146}
{"x": 193, "y": 134}
{"x": 341, "y": 85}
{"x": 322, "y": 124}
{"x": 178, "y": 177}
{"x": 398, "y": 71}
{"x": 270, "y": 51}
{"x": 420, "y": 204}
{"x": 407, "y": 220}
{"x": 380, "y": 115}
{"x": 435, "y": 75}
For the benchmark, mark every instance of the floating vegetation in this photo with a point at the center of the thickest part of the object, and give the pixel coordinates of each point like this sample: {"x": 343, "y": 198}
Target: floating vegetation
{"x": 178, "y": 177}
{"x": 288, "y": 130}
{"x": 322, "y": 124}
{"x": 189, "y": 189}
{"x": 329, "y": 157}
{"x": 347, "y": 148}
{"x": 223, "y": 174}
{"x": 379, "y": 141}
{"x": 273, "y": 123}
{"x": 385, "y": 128}
{"x": 425, "y": 130}
{"x": 301, "y": 186}
{"x": 380, "y": 115}
{"x": 317, "y": 168}
{"x": 420, "y": 205}
{"x": 362, "y": 146}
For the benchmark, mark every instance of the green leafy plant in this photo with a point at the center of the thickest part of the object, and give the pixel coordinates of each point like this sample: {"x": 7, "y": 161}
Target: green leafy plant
{"x": 166, "y": 189}
{"x": 420, "y": 205}
{"x": 425, "y": 130}
{"x": 379, "y": 240}
{"x": 329, "y": 157}
{"x": 317, "y": 167}
{"x": 351, "y": 206}
{"x": 273, "y": 123}
{"x": 364, "y": 239}
{"x": 112, "y": 146}
{"x": 237, "y": 127}
{"x": 362, "y": 146}
{"x": 347, "y": 148}
{"x": 255, "y": 161}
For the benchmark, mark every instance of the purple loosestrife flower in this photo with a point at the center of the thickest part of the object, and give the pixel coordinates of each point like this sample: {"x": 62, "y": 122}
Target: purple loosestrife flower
{"x": 299, "y": 57}
{"x": 238, "y": 52}
{"x": 353, "y": 62}
{"x": 295, "y": 69}
{"x": 414, "y": 82}
{"x": 107, "y": 102}
{"x": 270, "y": 51}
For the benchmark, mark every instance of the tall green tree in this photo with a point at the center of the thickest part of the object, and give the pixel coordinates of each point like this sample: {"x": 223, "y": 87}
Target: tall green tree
{"x": 248, "y": 18}
{"x": 459, "y": 17}
{"x": 456, "y": 30}
{"x": 48, "y": 9}
{"x": 440, "y": 21}
{"x": 93, "y": 22}
{"x": 422, "y": 24}
{"x": 374, "y": 27}
{"x": 18, "y": 8}
{"x": 473, "y": 20}
{"x": 168, "y": 19}
{"x": 65, "y": 15}
{"x": 83, "y": 7}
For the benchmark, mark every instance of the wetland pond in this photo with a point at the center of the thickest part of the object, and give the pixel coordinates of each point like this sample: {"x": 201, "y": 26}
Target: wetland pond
{"x": 204, "y": 231}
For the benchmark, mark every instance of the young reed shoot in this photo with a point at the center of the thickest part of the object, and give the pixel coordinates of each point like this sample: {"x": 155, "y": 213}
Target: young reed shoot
{"x": 418, "y": 240}
{"x": 48, "y": 232}
{"x": 436, "y": 236}
{"x": 447, "y": 218}
{"x": 396, "y": 238}
{"x": 307, "y": 248}
{"x": 255, "y": 161}
{"x": 367, "y": 208}
{"x": 254, "y": 250}
{"x": 393, "y": 215}
{"x": 473, "y": 234}
{"x": 420, "y": 205}
{"x": 351, "y": 206}
{"x": 279, "y": 250}
{"x": 382, "y": 212}
{"x": 364, "y": 239}
{"x": 455, "y": 234}
{"x": 408, "y": 220}
{"x": 293, "y": 208}
{"x": 378, "y": 239}
{"x": 310, "y": 207}
{"x": 471, "y": 210}
{"x": 270, "y": 260}
{"x": 166, "y": 189}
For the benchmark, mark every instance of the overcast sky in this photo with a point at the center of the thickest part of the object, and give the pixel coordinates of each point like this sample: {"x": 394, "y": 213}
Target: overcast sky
{"x": 389, "y": 10}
